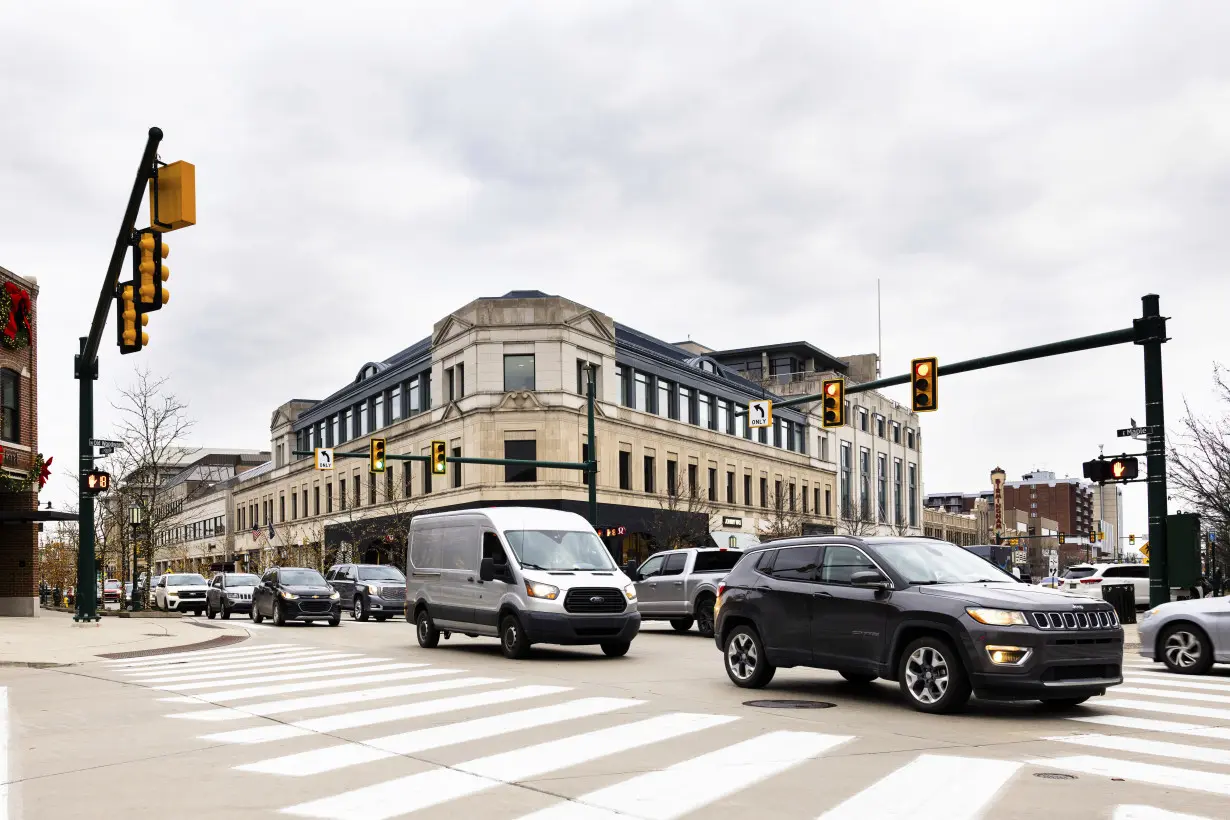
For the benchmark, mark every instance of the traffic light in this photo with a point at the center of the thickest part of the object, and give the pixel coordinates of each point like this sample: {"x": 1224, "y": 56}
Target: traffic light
{"x": 1123, "y": 469}
{"x": 1093, "y": 536}
{"x": 150, "y": 271}
{"x": 172, "y": 196}
{"x": 130, "y": 320}
{"x": 438, "y": 466}
{"x": 1102, "y": 470}
{"x": 924, "y": 384}
{"x": 834, "y": 392}
{"x": 377, "y": 455}
{"x": 1062, "y": 537}
{"x": 97, "y": 481}
{"x": 1131, "y": 540}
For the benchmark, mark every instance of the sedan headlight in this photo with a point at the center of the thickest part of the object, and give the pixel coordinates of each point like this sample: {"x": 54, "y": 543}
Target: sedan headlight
{"x": 290, "y": 596}
{"x": 1149, "y": 613}
{"x": 537, "y": 590}
{"x": 335, "y": 595}
{"x": 997, "y": 617}
{"x": 630, "y": 592}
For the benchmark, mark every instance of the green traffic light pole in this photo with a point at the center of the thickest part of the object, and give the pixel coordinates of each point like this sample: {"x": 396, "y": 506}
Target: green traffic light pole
{"x": 1149, "y": 331}
{"x": 85, "y": 370}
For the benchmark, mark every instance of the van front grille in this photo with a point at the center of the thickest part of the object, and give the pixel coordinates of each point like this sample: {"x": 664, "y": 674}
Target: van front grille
{"x": 586, "y": 600}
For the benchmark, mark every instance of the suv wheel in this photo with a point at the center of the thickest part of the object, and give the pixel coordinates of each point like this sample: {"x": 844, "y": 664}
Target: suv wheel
{"x": 704, "y": 615}
{"x": 681, "y": 624}
{"x": 429, "y": 636}
{"x": 279, "y": 615}
{"x": 358, "y": 612}
{"x": 1186, "y": 650}
{"x": 209, "y": 611}
{"x": 932, "y": 677}
{"x": 255, "y": 615}
{"x": 746, "y": 663}
{"x": 512, "y": 638}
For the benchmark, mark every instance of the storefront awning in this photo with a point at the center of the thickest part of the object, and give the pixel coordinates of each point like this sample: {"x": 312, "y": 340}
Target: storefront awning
{"x": 733, "y": 539}
{"x": 30, "y": 516}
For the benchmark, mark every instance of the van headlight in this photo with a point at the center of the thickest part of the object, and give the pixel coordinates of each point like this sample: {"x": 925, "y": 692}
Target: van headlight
{"x": 630, "y": 592}
{"x": 536, "y": 590}
{"x": 997, "y": 617}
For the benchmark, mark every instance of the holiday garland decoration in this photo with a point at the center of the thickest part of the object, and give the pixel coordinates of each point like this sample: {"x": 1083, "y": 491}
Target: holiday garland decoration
{"x": 15, "y": 310}
{"x": 38, "y": 474}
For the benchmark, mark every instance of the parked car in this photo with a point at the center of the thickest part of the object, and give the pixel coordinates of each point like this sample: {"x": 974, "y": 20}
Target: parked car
{"x": 523, "y": 574}
{"x": 1088, "y": 580}
{"x": 230, "y": 592}
{"x": 937, "y": 619}
{"x": 1188, "y": 636}
{"x": 295, "y": 594}
{"x": 153, "y": 591}
{"x": 112, "y": 591}
{"x": 369, "y": 590}
{"x": 681, "y": 586}
{"x": 181, "y": 592}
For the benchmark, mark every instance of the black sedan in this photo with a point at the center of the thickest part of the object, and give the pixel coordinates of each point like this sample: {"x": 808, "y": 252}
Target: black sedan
{"x": 295, "y": 594}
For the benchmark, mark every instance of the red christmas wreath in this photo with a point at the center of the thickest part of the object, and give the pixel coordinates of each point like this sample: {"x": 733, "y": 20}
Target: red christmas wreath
{"x": 15, "y": 310}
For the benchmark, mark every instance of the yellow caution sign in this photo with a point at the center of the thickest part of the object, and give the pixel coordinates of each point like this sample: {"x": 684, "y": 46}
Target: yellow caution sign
{"x": 1144, "y": 550}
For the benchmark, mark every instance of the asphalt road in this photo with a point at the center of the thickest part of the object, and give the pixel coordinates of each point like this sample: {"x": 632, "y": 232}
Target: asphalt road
{"x": 359, "y": 722}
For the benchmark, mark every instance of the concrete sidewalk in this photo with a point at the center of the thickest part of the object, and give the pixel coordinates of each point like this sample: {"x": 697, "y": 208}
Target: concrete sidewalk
{"x": 53, "y": 637}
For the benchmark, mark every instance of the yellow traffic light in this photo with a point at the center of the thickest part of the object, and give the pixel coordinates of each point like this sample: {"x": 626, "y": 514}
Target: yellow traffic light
{"x": 438, "y": 458}
{"x": 130, "y": 320}
{"x": 151, "y": 272}
{"x": 376, "y": 461}
{"x": 924, "y": 384}
{"x": 1062, "y": 537}
{"x": 172, "y": 197}
{"x": 834, "y": 407}
{"x": 1132, "y": 540}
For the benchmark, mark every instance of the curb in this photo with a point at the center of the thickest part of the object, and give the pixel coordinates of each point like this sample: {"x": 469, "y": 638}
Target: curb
{"x": 111, "y": 613}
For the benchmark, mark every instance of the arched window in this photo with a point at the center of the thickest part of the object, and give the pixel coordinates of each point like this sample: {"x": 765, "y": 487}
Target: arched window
{"x": 10, "y": 404}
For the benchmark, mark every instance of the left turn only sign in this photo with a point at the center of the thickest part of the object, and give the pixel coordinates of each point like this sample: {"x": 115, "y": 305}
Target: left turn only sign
{"x": 760, "y": 413}
{"x": 324, "y": 458}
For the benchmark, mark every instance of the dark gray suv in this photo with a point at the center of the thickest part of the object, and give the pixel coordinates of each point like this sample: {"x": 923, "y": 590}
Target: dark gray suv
{"x": 941, "y": 621}
{"x": 369, "y": 590}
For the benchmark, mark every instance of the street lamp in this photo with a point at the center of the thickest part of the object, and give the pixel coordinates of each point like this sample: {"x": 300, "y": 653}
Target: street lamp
{"x": 136, "y": 518}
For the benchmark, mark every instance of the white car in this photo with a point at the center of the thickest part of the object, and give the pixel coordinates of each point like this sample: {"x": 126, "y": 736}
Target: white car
{"x": 181, "y": 592}
{"x": 1088, "y": 580}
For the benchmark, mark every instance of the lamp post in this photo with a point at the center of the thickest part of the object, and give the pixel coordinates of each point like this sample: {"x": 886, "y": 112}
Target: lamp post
{"x": 135, "y": 517}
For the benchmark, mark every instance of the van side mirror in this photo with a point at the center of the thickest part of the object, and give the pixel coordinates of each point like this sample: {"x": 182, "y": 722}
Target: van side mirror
{"x": 870, "y": 578}
{"x": 486, "y": 570}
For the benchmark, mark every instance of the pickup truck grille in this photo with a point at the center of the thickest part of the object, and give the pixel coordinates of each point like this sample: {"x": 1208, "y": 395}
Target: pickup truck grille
{"x": 393, "y": 593}
{"x": 1097, "y": 619}
{"x": 595, "y": 599}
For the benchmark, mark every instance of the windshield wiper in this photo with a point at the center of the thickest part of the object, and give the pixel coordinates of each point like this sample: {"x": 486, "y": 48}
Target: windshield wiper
{"x": 526, "y": 565}
{"x": 922, "y": 583}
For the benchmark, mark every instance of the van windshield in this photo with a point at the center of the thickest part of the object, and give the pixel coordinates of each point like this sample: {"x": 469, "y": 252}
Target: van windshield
{"x": 559, "y": 550}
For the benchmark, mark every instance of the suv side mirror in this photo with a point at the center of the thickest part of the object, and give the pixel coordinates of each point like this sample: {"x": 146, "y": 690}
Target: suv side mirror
{"x": 870, "y": 578}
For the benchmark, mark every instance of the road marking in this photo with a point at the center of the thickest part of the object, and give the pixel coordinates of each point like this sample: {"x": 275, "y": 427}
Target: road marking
{"x": 290, "y": 659}
{"x": 277, "y": 707}
{"x": 1168, "y": 726}
{"x": 332, "y": 758}
{"x": 266, "y": 667}
{"x": 419, "y": 791}
{"x": 1167, "y": 708}
{"x": 1157, "y": 748}
{"x": 4, "y": 753}
{"x": 1161, "y": 692}
{"x": 208, "y": 654}
{"x": 1150, "y": 813}
{"x": 316, "y": 685}
{"x": 957, "y": 788}
{"x": 693, "y": 784}
{"x": 1167, "y": 776}
{"x": 1159, "y": 678}
{"x": 387, "y": 714}
{"x": 306, "y": 675}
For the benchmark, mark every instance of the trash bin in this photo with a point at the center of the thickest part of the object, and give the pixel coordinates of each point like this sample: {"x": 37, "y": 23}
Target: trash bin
{"x": 1123, "y": 598}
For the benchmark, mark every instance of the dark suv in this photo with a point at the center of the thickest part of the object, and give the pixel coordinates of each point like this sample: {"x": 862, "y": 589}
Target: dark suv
{"x": 295, "y": 594}
{"x": 939, "y": 620}
{"x": 369, "y": 590}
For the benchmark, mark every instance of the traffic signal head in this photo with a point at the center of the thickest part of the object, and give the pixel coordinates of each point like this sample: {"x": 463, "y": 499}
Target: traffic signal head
{"x": 438, "y": 461}
{"x": 130, "y": 320}
{"x": 1132, "y": 540}
{"x": 96, "y": 481}
{"x": 1062, "y": 537}
{"x": 834, "y": 402}
{"x": 172, "y": 196}
{"x": 923, "y": 384}
{"x": 377, "y": 455}
{"x": 150, "y": 271}
{"x": 1123, "y": 469}
{"x": 1100, "y": 470}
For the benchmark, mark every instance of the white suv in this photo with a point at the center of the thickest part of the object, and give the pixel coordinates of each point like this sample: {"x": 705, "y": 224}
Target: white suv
{"x": 181, "y": 592}
{"x": 1088, "y": 580}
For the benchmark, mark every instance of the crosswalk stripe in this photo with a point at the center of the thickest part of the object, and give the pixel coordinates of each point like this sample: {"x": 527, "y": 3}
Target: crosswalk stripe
{"x": 1171, "y": 694}
{"x": 332, "y": 758}
{"x": 312, "y": 686}
{"x": 432, "y": 788}
{"x": 1166, "y": 708}
{"x": 1150, "y": 813}
{"x": 386, "y": 714}
{"x": 1167, "y": 726}
{"x": 1168, "y": 679}
{"x": 957, "y": 788}
{"x": 277, "y": 707}
{"x": 207, "y": 654}
{"x": 192, "y": 686}
{"x": 1157, "y": 748}
{"x": 286, "y": 658}
{"x": 348, "y": 659}
{"x": 4, "y": 753}
{"x": 1168, "y": 776}
{"x": 693, "y": 784}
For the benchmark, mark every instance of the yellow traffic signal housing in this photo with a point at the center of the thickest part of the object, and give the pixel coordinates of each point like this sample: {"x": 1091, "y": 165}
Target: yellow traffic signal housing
{"x": 834, "y": 402}
{"x": 1132, "y": 540}
{"x": 377, "y": 455}
{"x": 172, "y": 197}
{"x": 438, "y": 458}
{"x": 130, "y": 319}
{"x": 150, "y": 272}
{"x": 924, "y": 384}
{"x": 1062, "y": 537}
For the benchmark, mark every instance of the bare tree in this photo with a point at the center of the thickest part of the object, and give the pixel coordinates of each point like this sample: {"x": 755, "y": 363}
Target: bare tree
{"x": 684, "y": 519}
{"x": 784, "y": 519}
{"x": 1200, "y": 465}
{"x": 856, "y": 520}
{"x": 386, "y": 522}
{"x": 900, "y": 526}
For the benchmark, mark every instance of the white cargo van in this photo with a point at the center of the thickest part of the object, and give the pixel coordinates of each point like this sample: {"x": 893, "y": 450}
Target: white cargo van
{"x": 523, "y": 574}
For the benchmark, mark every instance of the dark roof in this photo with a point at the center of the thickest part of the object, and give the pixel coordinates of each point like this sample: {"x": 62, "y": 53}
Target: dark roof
{"x": 643, "y": 343}
{"x": 807, "y": 348}
{"x": 522, "y": 294}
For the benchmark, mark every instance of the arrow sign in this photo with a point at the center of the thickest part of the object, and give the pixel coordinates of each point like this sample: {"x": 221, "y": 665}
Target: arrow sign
{"x": 1132, "y": 431}
{"x": 105, "y": 442}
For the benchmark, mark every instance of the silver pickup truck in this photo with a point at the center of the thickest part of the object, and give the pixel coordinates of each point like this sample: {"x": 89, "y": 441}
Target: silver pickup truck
{"x": 680, "y": 586}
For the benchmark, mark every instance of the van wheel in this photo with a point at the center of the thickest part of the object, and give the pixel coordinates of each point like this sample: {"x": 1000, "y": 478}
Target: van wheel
{"x": 429, "y": 636}
{"x": 616, "y": 649}
{"x": 704, "y": 615}
{"x": 681, "y": 624}
{"x": 512, "y": 638}
{"x": 932, "y": 677}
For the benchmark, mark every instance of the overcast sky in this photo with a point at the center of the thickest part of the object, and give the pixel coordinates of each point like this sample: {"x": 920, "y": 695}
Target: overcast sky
{"x": 734, "y": 172}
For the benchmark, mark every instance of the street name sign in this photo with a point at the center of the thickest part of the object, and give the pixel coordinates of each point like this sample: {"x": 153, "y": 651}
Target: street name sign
{"x": 105, "y": 442}
{"x": 760, "y": 413}
{"x": 1126, "y": 432}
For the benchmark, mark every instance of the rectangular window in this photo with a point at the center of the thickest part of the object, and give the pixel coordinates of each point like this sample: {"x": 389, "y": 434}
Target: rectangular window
{"x": 764, "y": 491}
{"x": 526, "y": 450}
{"x": 913, "y": 473}
{"x": 414, "y": 394}
{"x": 713, "y": 484}
{"x": 378, "y": 419}
{"x": 305, "y": 506}
{"x": 395, "y": 408}
{"x": 664, "y": 399}
{"x": 909, "y": 438}
{"x": 640, "y": 388}
{"x": 864, "y": 483}
{"x": 777, "y": 433}
{"x": 518, "y": 372}
{"x": 763, "y": 436}
{"x": 582, "y": 377}
{"x": 672, "y": 483}
{"x": 335, "y": 431}
{"x": 625, "y": 470}
{"x": 685, "y": 405}
{"x": 880, "y": 427}
{"x": 316, "y": 499}
{"x": 898, "y": 511}
{"x": 406, "y": 478}
{"x": 358, "y": 490}
{"x": 896, "y": 432}
{"x": 803, "y": 497}
{"x": 741, "y": 428}
{"x": 704, "y": 406}
{"x": 882, "y": 486}
{"x": 281, "y": 508}
{"x": 342, "y": 498}
{"x": 388, "y": 484}
{"x": 847, "y": 468}
{"x": 448, "y": 384}
{"x": 730, "y": 487}
{"x": 621, "y": 377}
{"x": 849, "y": 418}
{"x": 747, "y": 490}
{"x": 693, "y": 487}
{"x": 723, "y": 416}
{"x": 648, "y": 474}
{"x": 457, "y": 468}
{"x": 828, "y": 501}
{"x": 792, "y": 497}
{"x": 294, "y": 506}
{"x": 862, "y": 419}
{"x": 364, "y": 422}
{"x": 459, "y": 386}
{"x": 824, "y": 447}
{"x": 371, "y": 489}
{"x": 426, "y": 474}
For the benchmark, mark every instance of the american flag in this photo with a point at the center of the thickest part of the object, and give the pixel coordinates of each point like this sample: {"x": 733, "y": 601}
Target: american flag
{"x": 256, "y": 532}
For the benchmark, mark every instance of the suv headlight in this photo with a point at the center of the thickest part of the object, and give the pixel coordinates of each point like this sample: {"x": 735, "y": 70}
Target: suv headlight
{"x": 997, "y": 617}
{"x": 537, "y": 590}
{"x": 290, "y": 596}
{"x": 630, "y": 592}
{"x": 335, "y": 595}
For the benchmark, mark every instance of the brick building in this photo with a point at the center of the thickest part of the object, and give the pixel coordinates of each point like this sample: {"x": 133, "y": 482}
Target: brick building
{"x": 1069, "y": 501}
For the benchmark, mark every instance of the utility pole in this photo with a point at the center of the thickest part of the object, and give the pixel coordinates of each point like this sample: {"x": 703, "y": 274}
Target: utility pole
{"x": 1151, "y": 334}
{"x": 591, "y": 468}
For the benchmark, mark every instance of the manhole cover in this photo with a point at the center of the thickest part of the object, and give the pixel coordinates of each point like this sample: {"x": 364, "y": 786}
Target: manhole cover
{"x": 1054, "y": 776}
{"x": 789, "y": 704}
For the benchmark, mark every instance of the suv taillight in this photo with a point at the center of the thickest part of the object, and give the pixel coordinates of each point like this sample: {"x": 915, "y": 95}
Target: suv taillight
{"x": 1091, "y": 580}
{"x": 721, "y": 588}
